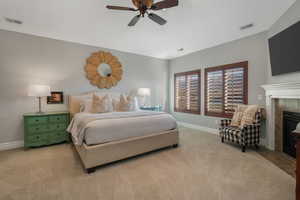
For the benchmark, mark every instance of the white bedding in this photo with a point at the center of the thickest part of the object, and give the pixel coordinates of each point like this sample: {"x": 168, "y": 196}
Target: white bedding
{"x": 107, "y": 127}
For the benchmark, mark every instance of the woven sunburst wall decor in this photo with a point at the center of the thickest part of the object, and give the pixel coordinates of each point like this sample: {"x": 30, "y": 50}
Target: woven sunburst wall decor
{"x": 96, "y": 78}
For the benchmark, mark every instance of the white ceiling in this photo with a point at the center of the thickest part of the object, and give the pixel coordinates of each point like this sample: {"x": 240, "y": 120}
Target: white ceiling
{"x": 193, "y": 25}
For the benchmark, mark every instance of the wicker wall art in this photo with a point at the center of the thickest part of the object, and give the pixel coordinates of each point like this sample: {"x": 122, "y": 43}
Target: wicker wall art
{"x": 94, "y": 64}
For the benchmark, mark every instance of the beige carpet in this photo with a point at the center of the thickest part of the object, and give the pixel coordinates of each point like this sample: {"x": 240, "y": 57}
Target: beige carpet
{"x": 202, "y": 168}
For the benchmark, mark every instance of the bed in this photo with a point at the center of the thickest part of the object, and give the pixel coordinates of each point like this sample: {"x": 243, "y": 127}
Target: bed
{"x": 104, "y": 138}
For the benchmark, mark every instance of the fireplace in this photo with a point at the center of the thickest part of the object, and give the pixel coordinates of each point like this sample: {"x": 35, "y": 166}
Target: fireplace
{"x": 273, "y": 93}
{"x": 290, "y": 121}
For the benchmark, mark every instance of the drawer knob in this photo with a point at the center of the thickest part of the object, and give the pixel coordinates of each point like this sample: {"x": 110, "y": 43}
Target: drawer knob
{"x": 36, "y": 120}
{"x": 37, "y": 129}
{"x": 57, "y": 118}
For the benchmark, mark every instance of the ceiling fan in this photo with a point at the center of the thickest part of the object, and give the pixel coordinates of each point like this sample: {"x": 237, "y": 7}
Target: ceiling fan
{"x": 143, "y": 6}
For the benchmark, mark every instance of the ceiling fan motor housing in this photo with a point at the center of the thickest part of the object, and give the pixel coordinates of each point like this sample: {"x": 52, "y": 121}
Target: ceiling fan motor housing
{"x": 142, "y": 3}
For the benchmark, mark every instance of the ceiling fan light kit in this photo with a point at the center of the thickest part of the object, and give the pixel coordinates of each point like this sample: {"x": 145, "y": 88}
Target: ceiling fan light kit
{"x": 143, "y": 6}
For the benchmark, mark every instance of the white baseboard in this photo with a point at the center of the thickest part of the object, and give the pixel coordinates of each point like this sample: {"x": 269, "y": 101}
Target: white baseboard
{"x": 200, "y": 128}
{"x": 11, "y": 145}
{"x": 213, "y": 131}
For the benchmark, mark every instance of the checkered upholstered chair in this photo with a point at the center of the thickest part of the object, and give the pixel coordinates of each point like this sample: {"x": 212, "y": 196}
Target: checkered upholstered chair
{"x": 246, "y": 136}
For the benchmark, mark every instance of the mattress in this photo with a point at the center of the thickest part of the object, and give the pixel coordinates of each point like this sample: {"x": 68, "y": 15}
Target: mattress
{"x": 107, "y": 127}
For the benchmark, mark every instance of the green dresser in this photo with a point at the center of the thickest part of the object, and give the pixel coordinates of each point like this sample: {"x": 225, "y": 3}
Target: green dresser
{"x": 46, "y": 128}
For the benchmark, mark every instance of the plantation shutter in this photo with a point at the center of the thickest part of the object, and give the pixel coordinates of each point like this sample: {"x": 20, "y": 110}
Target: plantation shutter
{"x": 187, "y": 92}
{"x": 225, "y": 87}
{"x": 215, "y": 91}
{"x": 234, "y": 89}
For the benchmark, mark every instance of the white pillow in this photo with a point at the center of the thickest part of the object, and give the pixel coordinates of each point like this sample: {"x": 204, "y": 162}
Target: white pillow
{"x": 76, "y": 102}
{"x": 86, "y": 105}
{"x": 135, "y": 104}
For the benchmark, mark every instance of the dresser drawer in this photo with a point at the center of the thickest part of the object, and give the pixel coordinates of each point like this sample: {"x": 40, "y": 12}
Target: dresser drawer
{"x": 35, "y": 129}
{"x": 58, "y": 118}
{"x": 38, "y": 140}
{"x": 57, "y": 127}
{"x": 37, "y": 120}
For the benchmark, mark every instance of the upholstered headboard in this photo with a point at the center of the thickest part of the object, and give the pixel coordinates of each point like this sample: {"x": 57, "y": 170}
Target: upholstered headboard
{"x": 74, "y": 103}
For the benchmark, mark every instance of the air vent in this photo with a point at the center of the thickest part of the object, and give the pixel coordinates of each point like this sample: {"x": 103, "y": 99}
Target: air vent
{"x": 246, "y": 26}
{"x": 13, "y": 21}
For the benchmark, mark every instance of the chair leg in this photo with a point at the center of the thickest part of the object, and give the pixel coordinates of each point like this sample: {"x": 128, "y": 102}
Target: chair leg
{"x": 243, "y": 148}
{"x": 256, "y": 146}
{"x": 222, "y": 139}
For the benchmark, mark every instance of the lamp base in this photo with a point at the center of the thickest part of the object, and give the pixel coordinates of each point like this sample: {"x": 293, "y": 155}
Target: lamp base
{"x": 40, "y": 106}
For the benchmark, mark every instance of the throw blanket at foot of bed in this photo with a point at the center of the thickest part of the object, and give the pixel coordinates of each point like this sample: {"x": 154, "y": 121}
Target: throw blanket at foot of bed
{"x": 108, "y": 127}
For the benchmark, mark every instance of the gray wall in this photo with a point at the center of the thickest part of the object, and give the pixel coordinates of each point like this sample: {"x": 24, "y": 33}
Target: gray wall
{"x": 289, "y": 18}
{"x": 255, "y": 49}
{"x": 26, "y": 59}
{"x": 252, "y": 49}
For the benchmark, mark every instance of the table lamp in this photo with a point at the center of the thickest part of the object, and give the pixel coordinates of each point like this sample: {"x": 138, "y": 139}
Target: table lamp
{"x": 144, "y": 92}
{"x": 39, "y": 91}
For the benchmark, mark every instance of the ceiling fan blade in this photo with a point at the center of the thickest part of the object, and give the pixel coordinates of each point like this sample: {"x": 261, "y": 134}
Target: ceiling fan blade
{"x": 164, "y": 4}
{"x": 157, "y": 19}
{"x": 120, "y": 8}
{"x": 134, "y": 20}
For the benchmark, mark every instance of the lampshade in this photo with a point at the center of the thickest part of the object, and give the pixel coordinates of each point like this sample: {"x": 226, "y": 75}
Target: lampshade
{"x": 39, "y": 91}
{"x": 144, "y": 92}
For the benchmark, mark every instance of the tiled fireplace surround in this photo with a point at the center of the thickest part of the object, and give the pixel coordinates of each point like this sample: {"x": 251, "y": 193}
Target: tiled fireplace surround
{"x": 279, "y": 98}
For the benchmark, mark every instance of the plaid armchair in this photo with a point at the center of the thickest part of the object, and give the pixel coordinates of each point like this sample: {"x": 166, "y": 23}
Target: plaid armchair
{"x": 245, "y": 136}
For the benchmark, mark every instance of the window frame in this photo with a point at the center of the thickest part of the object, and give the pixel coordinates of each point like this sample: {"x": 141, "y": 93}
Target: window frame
{"x": 243, "y": 65}
{"x": 198, "y": 72}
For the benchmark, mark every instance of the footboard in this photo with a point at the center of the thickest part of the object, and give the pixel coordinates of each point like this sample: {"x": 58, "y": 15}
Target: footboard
{"x": 96, "y": 155}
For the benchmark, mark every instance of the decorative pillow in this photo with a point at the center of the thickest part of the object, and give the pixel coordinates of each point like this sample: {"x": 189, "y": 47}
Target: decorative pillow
{"x": 249, "y": 115}
{"x": 238, "y": 115}
{"x": 101, "y": 104}
{"x": 125, "y": 104}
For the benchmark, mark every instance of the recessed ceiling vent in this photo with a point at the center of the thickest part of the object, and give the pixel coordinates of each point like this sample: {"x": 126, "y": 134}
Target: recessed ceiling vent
{"x": 246, "y": 26}
{"x": 13, "y": 21}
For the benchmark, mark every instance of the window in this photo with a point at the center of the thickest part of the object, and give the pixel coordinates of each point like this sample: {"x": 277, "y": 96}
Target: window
{"x": 187, "y": 92}
{"x": 225, "y": 86}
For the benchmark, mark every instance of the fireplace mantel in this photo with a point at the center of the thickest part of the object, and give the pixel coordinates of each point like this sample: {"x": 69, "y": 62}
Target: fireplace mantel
{"x": 277, "y": 91}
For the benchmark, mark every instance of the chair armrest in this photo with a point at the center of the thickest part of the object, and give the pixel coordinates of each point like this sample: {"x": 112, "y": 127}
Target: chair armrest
{"x": 224, "y": 123}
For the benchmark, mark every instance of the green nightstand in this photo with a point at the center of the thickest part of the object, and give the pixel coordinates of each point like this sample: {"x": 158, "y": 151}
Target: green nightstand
{"x": 46, "y": 128}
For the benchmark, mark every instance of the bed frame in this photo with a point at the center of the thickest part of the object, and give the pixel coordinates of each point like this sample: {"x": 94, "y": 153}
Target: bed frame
{"x": 97, "y": 155}
{"x": 93, "y": 156}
